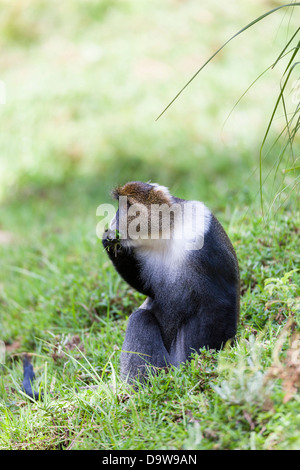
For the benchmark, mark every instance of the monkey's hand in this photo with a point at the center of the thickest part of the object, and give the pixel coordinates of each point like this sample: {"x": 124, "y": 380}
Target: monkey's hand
{"x": 112, "y": 243}
{"x": 124, "y": 260}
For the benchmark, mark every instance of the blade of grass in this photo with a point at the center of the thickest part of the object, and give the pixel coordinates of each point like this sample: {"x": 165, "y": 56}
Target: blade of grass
{"x": 25, "y": 272}
{"x": 256, "y": 20}
{"x": 279, "y": 98}
{"x": 280, "y": 57}
{"x": 285, "y": 48}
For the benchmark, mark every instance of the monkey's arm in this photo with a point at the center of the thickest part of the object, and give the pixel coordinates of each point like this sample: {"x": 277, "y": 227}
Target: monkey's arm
{"x": 125, "y": 263}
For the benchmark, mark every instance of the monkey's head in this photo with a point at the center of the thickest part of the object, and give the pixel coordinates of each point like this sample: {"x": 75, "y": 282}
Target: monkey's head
{"x": 137, "y": 192}
{"x": 143, "y": 212}
{"x": 149, "y": 217}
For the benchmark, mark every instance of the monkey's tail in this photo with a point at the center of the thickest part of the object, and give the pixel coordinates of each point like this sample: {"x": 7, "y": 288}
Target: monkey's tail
{"x": 29, "y": 376}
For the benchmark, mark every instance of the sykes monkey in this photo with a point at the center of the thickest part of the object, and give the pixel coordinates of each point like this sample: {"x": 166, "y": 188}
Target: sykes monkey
{"x": 176, "y": 252}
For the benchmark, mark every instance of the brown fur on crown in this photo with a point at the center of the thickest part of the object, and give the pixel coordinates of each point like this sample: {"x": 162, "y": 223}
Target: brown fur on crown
{"x": 142, "y": 193}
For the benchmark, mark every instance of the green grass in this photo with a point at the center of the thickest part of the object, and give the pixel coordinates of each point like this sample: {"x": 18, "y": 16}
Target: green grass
{"x": 85, "y": 82}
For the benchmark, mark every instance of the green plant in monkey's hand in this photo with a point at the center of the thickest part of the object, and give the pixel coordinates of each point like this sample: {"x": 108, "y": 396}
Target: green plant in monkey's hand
{"x": 113, "y": 244}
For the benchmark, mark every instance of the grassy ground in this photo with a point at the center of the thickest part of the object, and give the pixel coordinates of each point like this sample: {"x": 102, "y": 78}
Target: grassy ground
{"x": 84, "y": 83}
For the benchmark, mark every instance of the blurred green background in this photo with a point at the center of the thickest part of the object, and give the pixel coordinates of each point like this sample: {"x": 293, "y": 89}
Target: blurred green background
{"x": 85, "y": 81}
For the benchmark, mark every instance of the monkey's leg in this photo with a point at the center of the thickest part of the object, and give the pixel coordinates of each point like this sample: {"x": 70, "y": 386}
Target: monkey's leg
{"x": 209, "y": 329}
{"x": 143, "y": 346}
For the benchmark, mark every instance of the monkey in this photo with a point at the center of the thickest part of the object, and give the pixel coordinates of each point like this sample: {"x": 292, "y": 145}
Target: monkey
{"x": 187, "y": 268}
{"x": 190, "y": 276}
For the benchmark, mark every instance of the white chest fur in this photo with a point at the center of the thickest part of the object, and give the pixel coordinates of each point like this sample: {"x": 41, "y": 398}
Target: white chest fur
{"x": 162, "y": 256}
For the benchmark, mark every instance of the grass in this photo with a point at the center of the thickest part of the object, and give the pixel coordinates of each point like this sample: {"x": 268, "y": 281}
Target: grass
{"x": 79, "y": 118}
